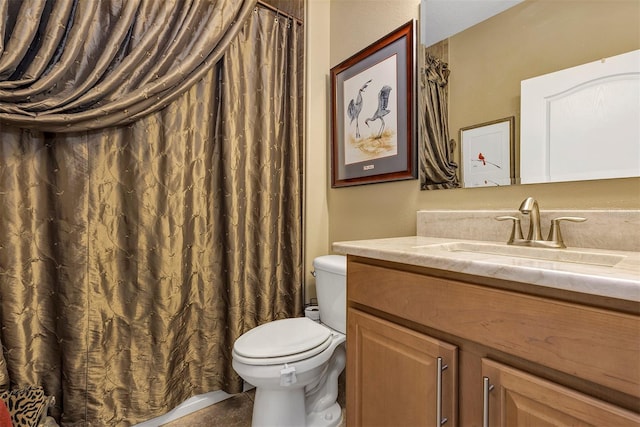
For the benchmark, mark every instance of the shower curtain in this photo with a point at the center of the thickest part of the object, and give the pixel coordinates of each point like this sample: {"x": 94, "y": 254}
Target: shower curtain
{"x": 437, "y": 167}
{"x": 132, "y": 256}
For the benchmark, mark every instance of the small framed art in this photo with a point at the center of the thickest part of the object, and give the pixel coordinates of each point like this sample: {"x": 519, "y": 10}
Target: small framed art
{"x": 487, "y": 153}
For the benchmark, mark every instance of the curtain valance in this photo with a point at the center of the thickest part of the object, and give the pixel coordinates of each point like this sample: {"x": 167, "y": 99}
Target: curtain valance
{"x": 73, "y": 65}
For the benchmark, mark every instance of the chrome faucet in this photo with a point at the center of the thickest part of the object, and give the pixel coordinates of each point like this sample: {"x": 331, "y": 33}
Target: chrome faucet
{"x": 529, "y": 206}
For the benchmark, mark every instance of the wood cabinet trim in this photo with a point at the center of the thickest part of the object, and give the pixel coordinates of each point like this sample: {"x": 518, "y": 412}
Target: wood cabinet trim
{"x": 624, "y": 306}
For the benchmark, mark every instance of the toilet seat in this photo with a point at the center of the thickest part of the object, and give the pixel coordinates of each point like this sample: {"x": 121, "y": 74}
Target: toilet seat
{"x": 282, "y": 341}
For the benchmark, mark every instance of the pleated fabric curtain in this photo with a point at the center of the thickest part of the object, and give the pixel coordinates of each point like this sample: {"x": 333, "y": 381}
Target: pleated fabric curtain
{"x": 133, "y": 256}
{"x": 70, "y": 65}
{"x": 438, "y": 169}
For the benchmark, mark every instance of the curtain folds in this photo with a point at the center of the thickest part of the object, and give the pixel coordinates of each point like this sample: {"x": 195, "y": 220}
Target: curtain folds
{"x": 74, "y": 65}
{"x": 132, "y": 257}
{"x": 437, "y": 167}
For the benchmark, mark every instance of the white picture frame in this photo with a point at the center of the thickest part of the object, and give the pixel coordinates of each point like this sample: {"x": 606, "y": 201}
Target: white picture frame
{"x": 487, "y": 154}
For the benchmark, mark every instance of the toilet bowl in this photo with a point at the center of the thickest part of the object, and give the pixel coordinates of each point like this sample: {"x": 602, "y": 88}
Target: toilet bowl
{"x": 295, "y": 363}
{"x": 292, "y": 381}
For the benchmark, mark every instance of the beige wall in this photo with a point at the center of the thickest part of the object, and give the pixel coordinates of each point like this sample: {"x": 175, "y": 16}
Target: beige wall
{"x": 316, "y": 209}
{"x": 343, "y": 27}
{"x": 381, "y": 209}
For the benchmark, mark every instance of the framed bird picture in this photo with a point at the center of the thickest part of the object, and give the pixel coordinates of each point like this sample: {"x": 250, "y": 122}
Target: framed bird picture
{"x": 487, "y": 153}
{"x": 372, "y": 108}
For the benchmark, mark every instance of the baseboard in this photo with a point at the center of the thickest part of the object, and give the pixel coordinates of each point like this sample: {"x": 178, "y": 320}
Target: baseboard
{"x": 189, "y": 406}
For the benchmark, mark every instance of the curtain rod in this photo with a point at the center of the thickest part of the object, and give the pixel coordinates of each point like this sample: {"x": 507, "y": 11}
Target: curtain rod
{"x": 279, "y": 12}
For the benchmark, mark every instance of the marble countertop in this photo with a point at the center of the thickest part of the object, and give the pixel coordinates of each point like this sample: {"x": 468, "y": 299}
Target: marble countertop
{"x": 620, "y": 280}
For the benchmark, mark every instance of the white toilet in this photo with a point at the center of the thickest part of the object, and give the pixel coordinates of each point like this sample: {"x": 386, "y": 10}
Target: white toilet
{"x": 295, "y": 363}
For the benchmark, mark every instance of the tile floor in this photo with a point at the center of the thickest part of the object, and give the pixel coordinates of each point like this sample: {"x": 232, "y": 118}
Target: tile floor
{"x": 232, "y": 412}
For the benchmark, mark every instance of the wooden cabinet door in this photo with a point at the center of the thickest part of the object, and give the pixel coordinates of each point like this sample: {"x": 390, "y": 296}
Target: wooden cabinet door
{"x": 521, "y": 399}
{"x": 392, "y": 375}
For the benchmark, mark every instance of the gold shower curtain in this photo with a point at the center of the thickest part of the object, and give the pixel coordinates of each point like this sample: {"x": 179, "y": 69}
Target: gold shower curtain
{"x": 437, "y": 167}
{"x": 70, "y": 65}
{"x": 132, "y": 257}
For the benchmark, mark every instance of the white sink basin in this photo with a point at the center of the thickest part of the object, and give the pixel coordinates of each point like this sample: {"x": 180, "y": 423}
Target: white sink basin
{"x": 560, "y": 255}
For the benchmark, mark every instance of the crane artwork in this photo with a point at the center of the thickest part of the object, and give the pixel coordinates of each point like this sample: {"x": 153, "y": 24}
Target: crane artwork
{"x": 383, "y": 101}
{"x": 354, "y": 108}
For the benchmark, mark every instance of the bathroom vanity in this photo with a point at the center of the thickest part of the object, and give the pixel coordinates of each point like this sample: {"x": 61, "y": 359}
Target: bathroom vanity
{"x": 447, "y": 332}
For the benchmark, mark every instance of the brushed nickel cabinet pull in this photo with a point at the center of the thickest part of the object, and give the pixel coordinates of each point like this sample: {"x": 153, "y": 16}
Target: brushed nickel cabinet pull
{"x": 440, "y": 367}
{"x": 487, "y": 387}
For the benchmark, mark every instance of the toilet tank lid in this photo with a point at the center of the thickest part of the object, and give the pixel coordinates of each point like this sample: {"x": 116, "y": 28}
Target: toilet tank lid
{"x": 332, "y": 263}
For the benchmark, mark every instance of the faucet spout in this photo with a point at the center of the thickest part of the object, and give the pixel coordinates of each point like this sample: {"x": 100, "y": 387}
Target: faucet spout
{"x": 529, "y": 207}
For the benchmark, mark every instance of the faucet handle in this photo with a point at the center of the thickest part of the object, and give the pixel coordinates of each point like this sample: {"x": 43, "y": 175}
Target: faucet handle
{"x": 554, "y": 232}
{"x": 516, "y": 231}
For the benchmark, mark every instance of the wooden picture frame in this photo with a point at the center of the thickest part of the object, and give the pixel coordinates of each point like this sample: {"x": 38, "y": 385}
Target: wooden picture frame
{"x": 372, "y": 110}
{"x": 488, "y": 154}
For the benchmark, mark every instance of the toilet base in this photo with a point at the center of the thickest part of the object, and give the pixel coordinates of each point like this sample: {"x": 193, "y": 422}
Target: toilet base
{"x": 265, "y": 415}
{"x": 294, "y": 415}
{"x": 283, "y": 408}
{"x": 330, "y": 417}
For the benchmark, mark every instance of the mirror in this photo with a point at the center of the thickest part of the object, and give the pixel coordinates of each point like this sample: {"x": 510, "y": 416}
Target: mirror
{"x": 441, "y": 19}
{"x": 486, "y": 63}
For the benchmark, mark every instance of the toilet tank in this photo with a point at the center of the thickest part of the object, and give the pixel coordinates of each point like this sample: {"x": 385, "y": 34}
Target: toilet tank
{"x": 331, "y": 289}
